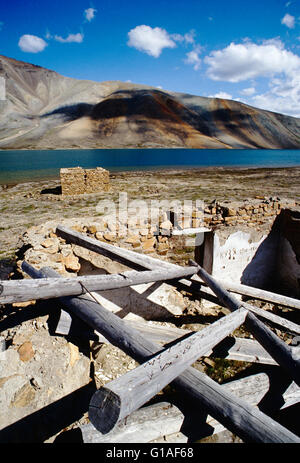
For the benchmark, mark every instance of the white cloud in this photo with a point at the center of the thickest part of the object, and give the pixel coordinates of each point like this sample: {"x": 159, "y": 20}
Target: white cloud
{"x": 89, "y": 13}
{"x": 243, "y": 61}
{"x": 150, "y": 40}
{"x": 78, "y": 38}
{"x": 188, "y": 38}
{"x": 248, "y": 91}
{"x": 223, "y": 95}
{"x": 193, "y": 58}
{"x": 283, "y": 96}
{"x": 288, "y": 21}
{"x": 31, "y": 43}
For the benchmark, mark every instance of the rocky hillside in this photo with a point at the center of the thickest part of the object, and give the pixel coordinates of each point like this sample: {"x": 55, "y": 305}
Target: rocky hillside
{"x": 44, "y": 110}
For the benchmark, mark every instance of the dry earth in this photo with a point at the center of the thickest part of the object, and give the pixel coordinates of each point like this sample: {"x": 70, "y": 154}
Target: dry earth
{"x": 27, "y": 204}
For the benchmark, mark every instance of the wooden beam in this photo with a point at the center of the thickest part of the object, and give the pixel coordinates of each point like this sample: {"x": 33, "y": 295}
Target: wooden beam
{"x": 126, "y": 257}
{"x": 121, "y": 397}
{"x": 251, "y": 388}
{"x": 235, "y": 414}
{"x": 142, "y": 426}
{"x": 194, "y": 287}
{"x": 27, "y": 290}
{"x": 254, "y": 389}
{"x": 261, "y": 294}
{"x": 270, "y": 341}
{"x": 140, "y": 261}
{"x": 231, "y": 348}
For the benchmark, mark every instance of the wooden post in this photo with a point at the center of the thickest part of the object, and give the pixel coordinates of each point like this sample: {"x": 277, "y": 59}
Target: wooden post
{"x": 204, "y": 254}
{"x": 235, "y": 414}
{"x": 271, "y": 343}
{"x": 127, "y": 393}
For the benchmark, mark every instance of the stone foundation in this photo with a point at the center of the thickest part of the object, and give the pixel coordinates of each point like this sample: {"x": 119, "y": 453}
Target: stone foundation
{"x": 76, "y": 181}
{"x": 252, "y": 212}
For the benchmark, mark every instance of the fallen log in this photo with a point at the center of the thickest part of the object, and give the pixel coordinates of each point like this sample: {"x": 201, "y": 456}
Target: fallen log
{"x": 194, "y": 287}
{"x": 121, "y": 397}
{"x": 140, "y": 261}
{"x": 142, "y": 426}
{"x": 27, "y": 290}
{"x": 231, "y": 348}
{"x": 277, "y": 348}
{"x": 252, "y": 389}
{"x": 261, "y": 294}
{"x": 124, "y": 256}
{"x": 234, "y": 413}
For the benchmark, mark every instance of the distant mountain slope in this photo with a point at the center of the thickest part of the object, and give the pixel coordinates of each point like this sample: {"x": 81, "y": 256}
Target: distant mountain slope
{"x": 44, "y": 110}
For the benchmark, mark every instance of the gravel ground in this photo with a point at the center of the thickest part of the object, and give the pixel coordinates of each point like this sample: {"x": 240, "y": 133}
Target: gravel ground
{"x": 27, "y": 204}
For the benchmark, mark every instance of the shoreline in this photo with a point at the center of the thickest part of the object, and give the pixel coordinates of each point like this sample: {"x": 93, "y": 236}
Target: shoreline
{"x": 173, "y": 170}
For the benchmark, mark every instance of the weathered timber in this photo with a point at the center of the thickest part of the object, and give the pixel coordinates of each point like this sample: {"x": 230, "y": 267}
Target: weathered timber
{"x": 140, "y": 261}
{"x": 123, "y": 256}
{"x": 243, "y": 350}
{"x": 119, "y": 398}
{"x": 261, "y": 294}
{"x": 142, "y": 426}
{"x": 255, "y": 389}
{"x": 277, "y": 348}
{"x": 194, "y": 287}
{"x": 235, "y": 414}
{"x": 231, "y": 348}
{"x": 27, "y": 290}
{"x": 251, "y": 388}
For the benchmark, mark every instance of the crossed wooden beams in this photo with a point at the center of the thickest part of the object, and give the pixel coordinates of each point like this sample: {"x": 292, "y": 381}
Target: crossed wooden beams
{"x": 160, "y": 367}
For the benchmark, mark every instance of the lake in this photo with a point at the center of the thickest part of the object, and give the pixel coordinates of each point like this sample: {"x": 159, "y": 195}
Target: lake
{"x": 30, "y": 165}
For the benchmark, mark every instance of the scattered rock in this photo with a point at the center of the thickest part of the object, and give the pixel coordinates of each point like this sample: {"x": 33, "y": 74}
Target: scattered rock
{"x": 26, "y": 351}
{"x": 23, "y": 397}
{"x": 74, "y": 354}
{"x": 109, "y": 237}
{"x": 149, "y": 244}
{"x": 71, "y": 263}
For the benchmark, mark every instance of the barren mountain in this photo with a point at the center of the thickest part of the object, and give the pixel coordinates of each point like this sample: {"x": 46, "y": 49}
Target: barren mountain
{"x": 44, "y": 110}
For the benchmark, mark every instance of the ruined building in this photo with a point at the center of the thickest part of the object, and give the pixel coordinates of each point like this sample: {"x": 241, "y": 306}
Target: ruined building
{"x": 76, "y": 180}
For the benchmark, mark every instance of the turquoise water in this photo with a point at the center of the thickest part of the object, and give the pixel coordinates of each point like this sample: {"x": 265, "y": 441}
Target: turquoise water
{"x": 29, "y": 165}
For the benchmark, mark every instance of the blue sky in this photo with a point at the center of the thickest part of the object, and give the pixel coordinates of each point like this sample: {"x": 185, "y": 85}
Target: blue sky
{"x": 243, "y": 50}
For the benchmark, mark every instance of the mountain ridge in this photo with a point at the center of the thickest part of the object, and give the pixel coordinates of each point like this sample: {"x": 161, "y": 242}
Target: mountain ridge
{"x": 45, "y": 110}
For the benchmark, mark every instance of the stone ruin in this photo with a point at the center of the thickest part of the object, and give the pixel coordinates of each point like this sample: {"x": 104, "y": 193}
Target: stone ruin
{"x": 77, "y": 181}
{"x": 44, "y": 369}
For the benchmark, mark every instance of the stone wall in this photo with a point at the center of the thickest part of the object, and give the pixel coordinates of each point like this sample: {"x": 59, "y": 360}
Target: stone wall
{"x": 163, "y": 238}
{"x": 76, "y": 180}
{"x": 254, "y": 212}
